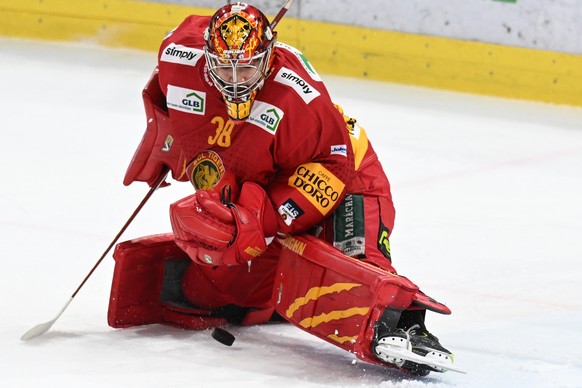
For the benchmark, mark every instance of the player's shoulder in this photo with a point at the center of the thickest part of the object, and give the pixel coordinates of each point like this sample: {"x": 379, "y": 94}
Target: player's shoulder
{"x": 184, "y": 44}
{"x": 292, "y": 72}
{"x": 294, "y": 58}
{"x": 294, "y": 102}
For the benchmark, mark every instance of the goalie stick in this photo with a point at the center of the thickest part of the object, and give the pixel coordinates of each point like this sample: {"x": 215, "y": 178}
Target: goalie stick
{"x": 282, "y": 12}
{"x": 42, "y": 328}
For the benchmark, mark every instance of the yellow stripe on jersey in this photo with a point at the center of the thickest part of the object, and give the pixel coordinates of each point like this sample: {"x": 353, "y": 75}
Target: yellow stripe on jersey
{"x": 358, "y": 137}
{"x": 359, "y": 141}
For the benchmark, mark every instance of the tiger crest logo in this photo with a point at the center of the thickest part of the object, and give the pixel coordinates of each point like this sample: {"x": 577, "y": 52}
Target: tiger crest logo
{"x": 206, "y": 170}
{"x": 235, "y": 31}
{"x": 238, "y": 35}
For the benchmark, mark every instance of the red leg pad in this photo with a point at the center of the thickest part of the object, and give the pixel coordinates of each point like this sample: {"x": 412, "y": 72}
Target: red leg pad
{"x": 336, "y": 297}
{"x": 137, "y": 284}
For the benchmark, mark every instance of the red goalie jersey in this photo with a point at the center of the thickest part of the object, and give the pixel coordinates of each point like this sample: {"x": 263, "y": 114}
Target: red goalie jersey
{"x": 251, "y": 125}
{"x": 295, "y": 143}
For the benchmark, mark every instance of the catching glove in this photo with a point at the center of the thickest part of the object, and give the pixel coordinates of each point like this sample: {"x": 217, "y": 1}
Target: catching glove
{"x": 215, "y": 231}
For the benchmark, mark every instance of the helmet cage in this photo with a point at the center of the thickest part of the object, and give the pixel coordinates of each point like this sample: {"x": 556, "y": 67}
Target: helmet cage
{"x": 239, "y": 53}
{"x": 237, "y": 79}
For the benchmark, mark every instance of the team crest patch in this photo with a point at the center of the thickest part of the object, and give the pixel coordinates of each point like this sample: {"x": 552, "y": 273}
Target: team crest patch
{"x": 205, "y": 170}
{"x": 235, "y": 32}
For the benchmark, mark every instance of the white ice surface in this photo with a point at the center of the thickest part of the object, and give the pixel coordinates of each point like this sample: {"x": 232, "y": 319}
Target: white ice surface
{"x": 488, "y": 195}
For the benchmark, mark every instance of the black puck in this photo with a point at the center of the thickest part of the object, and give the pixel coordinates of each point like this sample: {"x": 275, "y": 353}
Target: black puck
{"x": 223, "y": 336}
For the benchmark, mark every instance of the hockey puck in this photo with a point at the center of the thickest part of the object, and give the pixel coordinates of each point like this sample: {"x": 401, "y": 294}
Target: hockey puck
{"x": 223, "y": 336}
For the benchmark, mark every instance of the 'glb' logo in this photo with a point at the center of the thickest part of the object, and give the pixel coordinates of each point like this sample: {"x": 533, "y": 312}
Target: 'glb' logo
{"x": 186, "y": 100}
{"x": 266, "y": 116}
{"x": 195, "y": 103}
{"x": 272, "y": 118}
{"x": 269, "y": 120}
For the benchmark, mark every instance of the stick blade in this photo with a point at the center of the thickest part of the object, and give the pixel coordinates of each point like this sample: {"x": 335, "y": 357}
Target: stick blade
{"x": 42, "y": 328}
{"x": 37, "y": 330}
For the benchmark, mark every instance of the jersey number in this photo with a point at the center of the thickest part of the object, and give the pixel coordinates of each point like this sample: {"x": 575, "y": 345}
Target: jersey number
{"x": 223, "y": 132}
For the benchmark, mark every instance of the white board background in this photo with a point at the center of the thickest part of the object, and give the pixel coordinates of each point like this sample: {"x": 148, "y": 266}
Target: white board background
{"x": 538, "y": 24}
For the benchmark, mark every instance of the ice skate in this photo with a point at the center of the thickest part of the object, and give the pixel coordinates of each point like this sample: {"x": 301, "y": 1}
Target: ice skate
{"x": 409, "y": 346}
{"x": 415, "y": 351}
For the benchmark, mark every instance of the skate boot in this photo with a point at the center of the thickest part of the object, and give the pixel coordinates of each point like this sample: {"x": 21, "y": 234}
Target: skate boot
{"x": 403, "y": 347}
{"x": 409, "y": 346}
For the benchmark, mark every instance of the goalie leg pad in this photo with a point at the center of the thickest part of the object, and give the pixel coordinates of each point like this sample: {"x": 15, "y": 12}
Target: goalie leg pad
{"x": 144, "y": 289}
{"x": 154, "y": 281}
{"x": 335, "y": 297}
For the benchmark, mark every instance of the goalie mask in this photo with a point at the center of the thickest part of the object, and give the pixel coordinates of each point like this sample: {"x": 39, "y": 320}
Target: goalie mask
{"x": 239, "y": 53}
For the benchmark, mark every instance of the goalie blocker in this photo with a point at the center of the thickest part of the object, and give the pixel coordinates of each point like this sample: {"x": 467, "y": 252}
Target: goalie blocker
{"x": 317, "y": 288}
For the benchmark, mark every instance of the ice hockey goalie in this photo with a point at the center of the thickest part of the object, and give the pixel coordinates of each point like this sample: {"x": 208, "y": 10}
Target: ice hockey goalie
{"x": 291, "y": 211}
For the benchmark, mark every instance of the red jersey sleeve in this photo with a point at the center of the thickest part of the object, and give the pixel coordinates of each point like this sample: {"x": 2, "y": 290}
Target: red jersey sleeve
{"x": 312, "y": 148}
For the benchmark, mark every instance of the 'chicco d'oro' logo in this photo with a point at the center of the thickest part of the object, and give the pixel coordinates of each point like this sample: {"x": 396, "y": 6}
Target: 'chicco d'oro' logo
{"x": 318, "y": 185}
{"x": 205, "y": 170}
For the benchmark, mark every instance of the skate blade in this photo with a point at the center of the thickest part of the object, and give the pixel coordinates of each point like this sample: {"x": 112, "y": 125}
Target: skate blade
{"x": 400, "y": 353}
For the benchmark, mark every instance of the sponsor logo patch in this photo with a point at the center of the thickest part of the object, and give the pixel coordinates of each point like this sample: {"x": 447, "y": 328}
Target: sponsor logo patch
{"x": 383, "y": 242}
{"x": 205, "y": 170}
{"x": 290, "y": 211}
{"x": 266, "y": 116}
{"x": 288, "y": 77}
{"x": 318, "y": 185}
{"x": 168, "y": 143}
{"x": 349, "y": 226}
{"x": 339, "y": 150}
{"x": 303, "y": 59}
{"x": 176, "y": 53}
{"x": 186, "y": 100}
